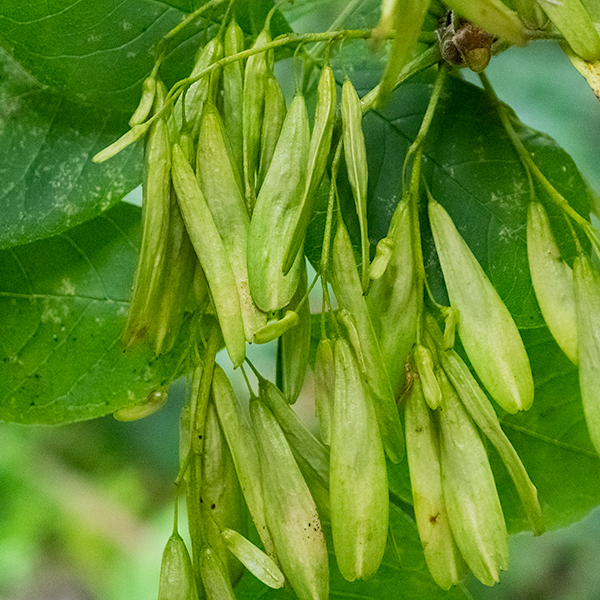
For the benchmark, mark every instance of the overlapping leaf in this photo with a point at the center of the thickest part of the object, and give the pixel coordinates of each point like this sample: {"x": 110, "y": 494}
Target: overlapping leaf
{"x": 473, "y": 170}
{"x": 98, "y": 53}
{"x": 48, "y": 181}
{"x": 64, "y": 302}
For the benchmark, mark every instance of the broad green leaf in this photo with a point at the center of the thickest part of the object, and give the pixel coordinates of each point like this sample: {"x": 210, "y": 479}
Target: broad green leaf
{"x": 481, "y": 182}
{"x": 98, "y": 53}
{"x": 471, "y": 169}
{"x": 48, "y": 181}
{"x": 64, "y": 302}
{"x": 95, "y": 53}
{"x": 403, "y": 574}
{"x": 552, "y": 440}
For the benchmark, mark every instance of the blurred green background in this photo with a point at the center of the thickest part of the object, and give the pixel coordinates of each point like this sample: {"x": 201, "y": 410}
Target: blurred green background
{"x": 85, "y": 510}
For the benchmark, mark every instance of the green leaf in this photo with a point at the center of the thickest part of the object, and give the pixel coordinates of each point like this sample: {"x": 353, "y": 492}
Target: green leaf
{"x": 552, "y": 440}
{"x": 49, "y": 183}
{"x": 403, "y": 573}
{"x": 95, "y": 53}
{"x": 64, "y": 301}
{"x": 473, "y": 170}
{"x": 98, "y": 53}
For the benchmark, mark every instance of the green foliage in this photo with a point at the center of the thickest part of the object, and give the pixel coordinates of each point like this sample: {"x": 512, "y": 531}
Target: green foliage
{"x": 64, "y": 304}
{"x": 49, "y": 183}
{"x": 70, "y": 76}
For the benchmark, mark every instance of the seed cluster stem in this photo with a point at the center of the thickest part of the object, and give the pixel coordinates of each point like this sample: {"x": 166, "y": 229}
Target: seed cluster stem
{"x": 530, "y": 164}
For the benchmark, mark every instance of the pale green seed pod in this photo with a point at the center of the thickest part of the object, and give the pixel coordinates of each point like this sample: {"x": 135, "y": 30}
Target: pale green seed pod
{"x": 177, "y": 581}
{"x": 211, "y": 254}
{"x": 591, "y": 72}
{"x": 253, "y": 107}
{"x": 587, "y": 301}
{"x": 494, "y": 17}
{"x": 348, "y": 291}
{"x": 481, "y": 411}
{"x": 383, "y": 255}
{"x": 222, "y": 502}
{"x": 275, "y": 111}
{"x": 261, "y": 565}
{"x": 392, "y": 300}
{"x": 531, "y": 14}
{"x": 444, "y": 560}
{"x": 233, "y": 92}
{"x": 430, "y": 385}
{"x": 275, "y": 328}
{"x": 146, "y": 101}
{"x": 486, "y": 328}
{"x": 574, "y": 22}
{"x": 244, "y": 451}
{"x": 128, "y": 138}
{"x": 291, "y": 512}
{"x": 196, "y": 95}
{"x": 156, "y": 205}
{"x": 355, "y": 153}
{"x": 552, "y": 281}
{"x": 344, "y": 316}
{"x": 214, "y": 576}
{"x": 294, "y": 344}
{"x": 324, "y": 387}
{"x": 275, "y": 213}
{"x": 358, "y": 485}
{"x": 222, "y": 188}
{"x": 155, "y": 400}
{"x": 320, "y": 145}
{"x": 469, "y": 489}
{"x": 310, "y": 454}
{"x": 176, "y": 283}
{"x": 407, "y": 17}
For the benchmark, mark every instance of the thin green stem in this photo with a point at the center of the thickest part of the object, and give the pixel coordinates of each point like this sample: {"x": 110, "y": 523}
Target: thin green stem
{"x": 182, "y": 469}
{"x": 283, "y": 40}
{"x": 425, "y": 280}
{"x": 306, "y": 296}
{"x": 417, "y": 250}
{"x": 327, "y": 298}
{"x": 176, "y": 512}
{"x": 198, "y": 417}
{"x": 528, "y": 161}
{"x": 324, "y": 266}
{"x": 416, "y": 153}
{"x": 339, "y": 20}
{"x": 162, "y": 46}
{"x": 254, "y": 370}
{"x": 426, "y": 59}
{"x": 324, "y": 312}
{"x": 245, "y": 375}
{"x": 427, "y": 119}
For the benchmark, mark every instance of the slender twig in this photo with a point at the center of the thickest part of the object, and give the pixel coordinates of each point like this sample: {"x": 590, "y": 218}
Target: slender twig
{"x": 527, "y": 159}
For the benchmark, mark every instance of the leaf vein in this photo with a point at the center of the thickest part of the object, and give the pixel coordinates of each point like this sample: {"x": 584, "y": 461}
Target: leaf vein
{"x": 549, "y": 440}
